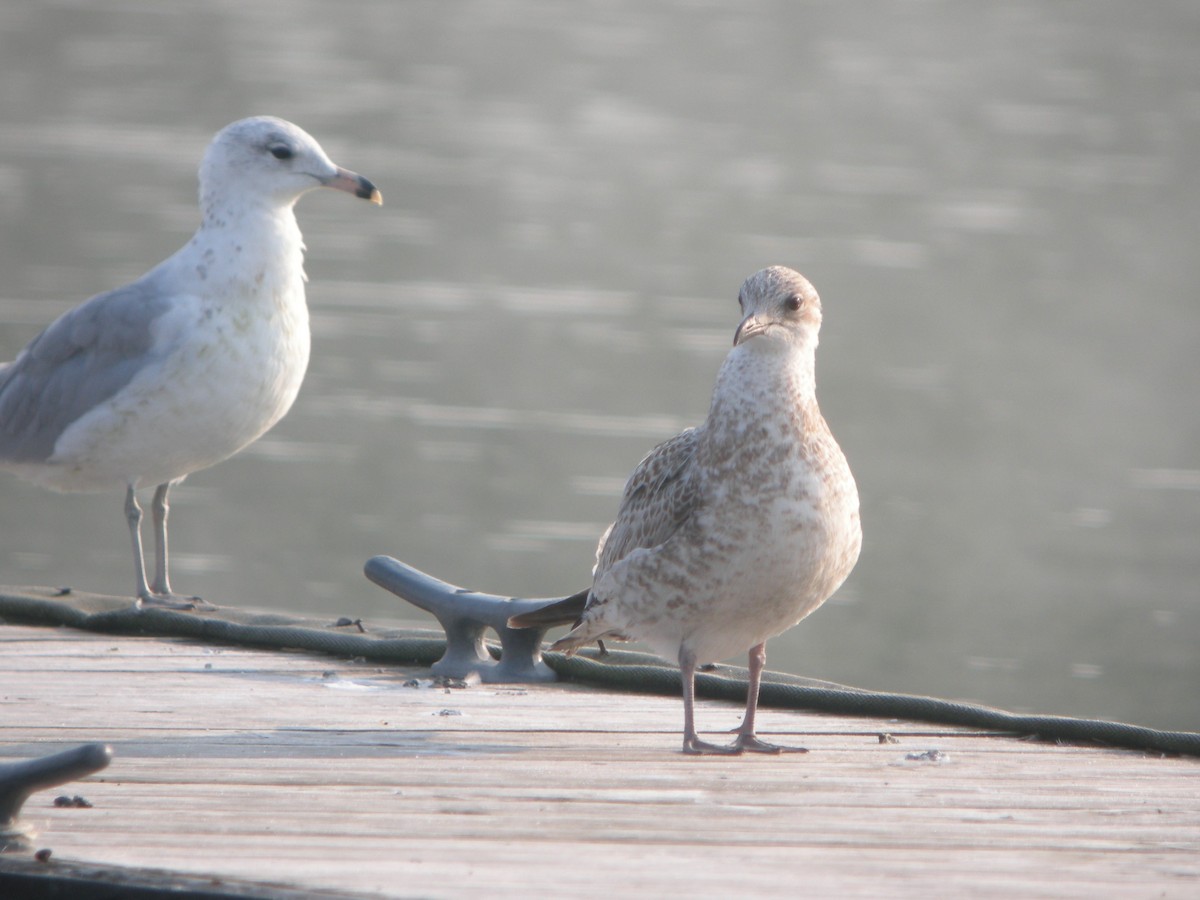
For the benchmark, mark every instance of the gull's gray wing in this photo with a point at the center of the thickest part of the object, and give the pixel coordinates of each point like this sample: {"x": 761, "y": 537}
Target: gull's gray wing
{"x": 659, "y": 497}
{"x": 83, "y": 358}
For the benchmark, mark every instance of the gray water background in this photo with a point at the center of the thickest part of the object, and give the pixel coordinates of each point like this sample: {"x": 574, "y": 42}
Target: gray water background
{"x": 999, "y": 203}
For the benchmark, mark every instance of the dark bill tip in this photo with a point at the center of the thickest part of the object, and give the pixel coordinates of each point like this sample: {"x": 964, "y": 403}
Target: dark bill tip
{"x": 749, "y": 327}
{"x": 368, "y": 191}
{"x": 353, "y": 183}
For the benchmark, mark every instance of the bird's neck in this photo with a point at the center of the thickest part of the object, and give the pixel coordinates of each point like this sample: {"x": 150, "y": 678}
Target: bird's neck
{"x": 770, "y": 371}
{"x": 761, "y": 383}
{"x": 248, "y": 244}
{"x": 247, "y": 216}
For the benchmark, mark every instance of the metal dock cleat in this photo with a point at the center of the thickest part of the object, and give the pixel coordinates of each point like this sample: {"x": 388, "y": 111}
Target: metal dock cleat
{"x": 465, "y": 615}
{"x": 21, "y": 779}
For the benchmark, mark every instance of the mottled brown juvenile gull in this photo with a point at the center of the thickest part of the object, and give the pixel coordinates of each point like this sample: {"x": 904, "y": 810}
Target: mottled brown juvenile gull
{"x": 732, "y": 532}
{"x": 184, "y": 367}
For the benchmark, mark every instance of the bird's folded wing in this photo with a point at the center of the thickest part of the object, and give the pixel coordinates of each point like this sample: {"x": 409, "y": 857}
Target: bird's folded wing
{"x": 659, "y": 497}
{"x": 82, "y": 359}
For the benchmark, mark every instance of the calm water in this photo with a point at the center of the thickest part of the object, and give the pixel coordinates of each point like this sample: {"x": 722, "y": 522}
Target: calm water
{"x": 1000, "y": 206}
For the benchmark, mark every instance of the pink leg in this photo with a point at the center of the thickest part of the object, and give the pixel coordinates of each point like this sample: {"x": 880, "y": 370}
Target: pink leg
{"x": 691, "y": 743}
{"x": 746, "y": 738}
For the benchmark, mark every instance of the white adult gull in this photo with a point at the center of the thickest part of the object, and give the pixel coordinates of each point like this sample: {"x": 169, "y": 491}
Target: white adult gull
{"x": 182, "y": 368}
{"x": 732, "y": 532}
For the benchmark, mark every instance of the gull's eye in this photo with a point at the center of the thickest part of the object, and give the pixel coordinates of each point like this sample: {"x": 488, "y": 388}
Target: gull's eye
{"x": 281, "y": 151}
{"x": 741, "y": 302}
{"x": 794, "y": 302}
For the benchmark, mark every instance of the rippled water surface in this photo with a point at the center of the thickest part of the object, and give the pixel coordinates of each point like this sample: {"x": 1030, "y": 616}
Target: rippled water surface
{"x": 1000, "y": 205}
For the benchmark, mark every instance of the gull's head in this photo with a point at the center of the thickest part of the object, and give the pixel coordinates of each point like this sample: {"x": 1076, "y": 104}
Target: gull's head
{"x": 274, "y": 160}
{"x": 779, "y": 305}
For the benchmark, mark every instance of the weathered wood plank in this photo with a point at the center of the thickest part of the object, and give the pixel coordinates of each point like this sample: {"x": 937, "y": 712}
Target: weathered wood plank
{"x": 334, "y": 774}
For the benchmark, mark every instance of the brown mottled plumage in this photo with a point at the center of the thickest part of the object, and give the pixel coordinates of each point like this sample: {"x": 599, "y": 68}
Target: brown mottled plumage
{"x": 732, "y": 532}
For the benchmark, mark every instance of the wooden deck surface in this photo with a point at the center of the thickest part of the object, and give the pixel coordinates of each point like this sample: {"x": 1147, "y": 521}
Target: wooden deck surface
{"x": 336, "y": 775}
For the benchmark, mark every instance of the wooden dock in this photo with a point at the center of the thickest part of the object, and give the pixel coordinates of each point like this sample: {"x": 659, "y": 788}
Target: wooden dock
{"x": 340, "y": 776}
